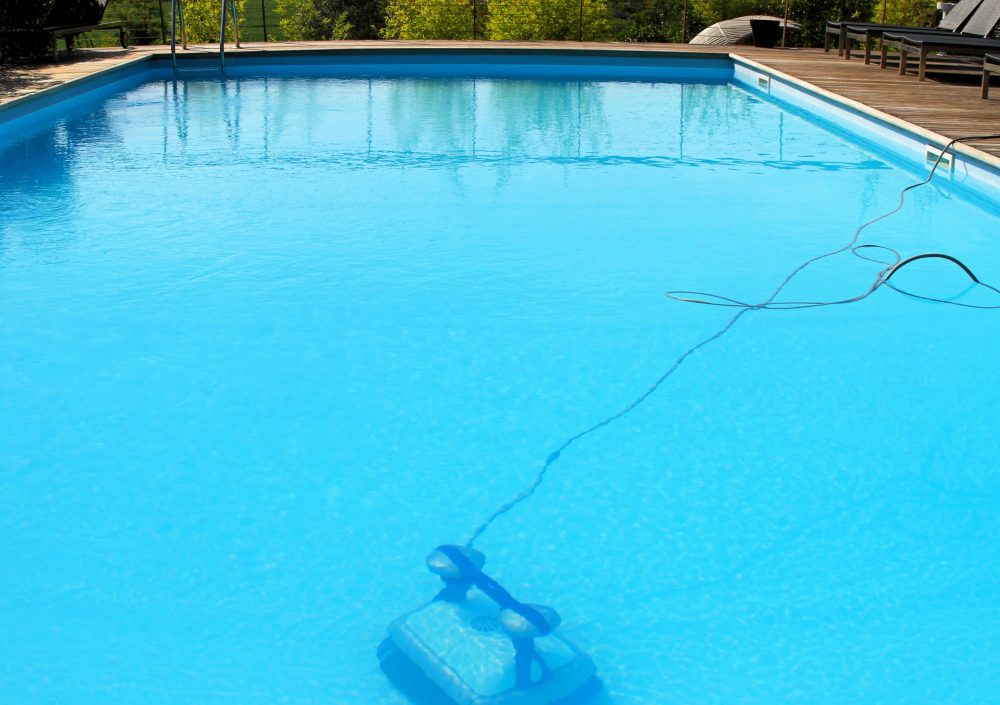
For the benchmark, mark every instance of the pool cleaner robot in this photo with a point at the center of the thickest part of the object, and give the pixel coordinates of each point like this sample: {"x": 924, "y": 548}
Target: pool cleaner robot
{"x": 475, "y": 644}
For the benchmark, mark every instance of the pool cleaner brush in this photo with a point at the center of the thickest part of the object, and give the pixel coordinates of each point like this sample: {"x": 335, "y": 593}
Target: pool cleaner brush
{"x": 474, "y": 644}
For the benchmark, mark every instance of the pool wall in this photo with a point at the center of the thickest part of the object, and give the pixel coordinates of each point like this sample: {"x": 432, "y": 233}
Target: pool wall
{"x": 871, "y": 127}
{"x": 550, "y": 64}
{"x": 972, "y": 171}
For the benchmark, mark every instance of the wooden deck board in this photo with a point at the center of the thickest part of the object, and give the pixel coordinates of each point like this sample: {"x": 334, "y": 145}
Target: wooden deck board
{"x": 946, "y": 108}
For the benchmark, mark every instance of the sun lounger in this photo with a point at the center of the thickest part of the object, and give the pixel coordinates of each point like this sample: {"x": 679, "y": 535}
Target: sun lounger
{"x": 867, "y": 34}
{"x": 923, "y": 45}
{"x": 847, "y": 31}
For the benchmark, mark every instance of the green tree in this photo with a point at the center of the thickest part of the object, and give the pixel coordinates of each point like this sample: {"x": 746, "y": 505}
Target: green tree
{"x": 314, "y": 19}
{"x": 21, "y": 29}
{"x": 428, "y": 19}
{"x": 201, "y": 20}
{"x": 916, "y": 13}
{"x": 141, "y": 19}
{"x": 651, "y": 20}
{"x": 712, "y": 11}
{"x": 548, "y": 19}
{"x": 814, "y": 15}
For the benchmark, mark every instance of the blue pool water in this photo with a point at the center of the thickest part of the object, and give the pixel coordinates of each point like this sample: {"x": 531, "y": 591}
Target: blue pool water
{"x": 267, "y": 341}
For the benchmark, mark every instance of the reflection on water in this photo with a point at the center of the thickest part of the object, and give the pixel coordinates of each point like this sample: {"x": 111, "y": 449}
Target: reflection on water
{"x": 508, "y": 117}
{"x": 432, "y": 112}
{"x": 448, "y": 124}
{"x": 38, "y": 180}
{"x": 533, "y": 115}
{"x": 428, "y": 123}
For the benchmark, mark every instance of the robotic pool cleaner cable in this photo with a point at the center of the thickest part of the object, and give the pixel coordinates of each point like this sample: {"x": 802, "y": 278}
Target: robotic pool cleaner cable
{"x": 882, "y": 279}
{"x": 770, "y": 303}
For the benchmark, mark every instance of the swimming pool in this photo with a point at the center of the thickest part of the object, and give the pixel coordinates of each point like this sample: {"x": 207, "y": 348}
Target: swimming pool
{"x": 269, "y": 339}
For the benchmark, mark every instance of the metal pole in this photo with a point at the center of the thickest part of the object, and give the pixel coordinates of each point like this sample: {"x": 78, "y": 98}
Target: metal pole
{"x": 173, "y": 33}
{"x": 222, "y": 34}
{"x": 579, "y": 36}
{"x": 263, "y": 16}
{"x": 236, "y": 23}
{"x": 163, "y": 26}
{"x": 784, "y": 30}
{"x": 885, "y": 4}
{"x": 180, "y": 15}
{"x": 474, "y": 18}
{"x": 684, "y": 23}
{"x": 680, "y": 126}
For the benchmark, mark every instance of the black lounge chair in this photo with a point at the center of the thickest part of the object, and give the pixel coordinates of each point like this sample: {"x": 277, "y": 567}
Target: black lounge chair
{"x": 69, "y": 18}
{"x": 866, "y": 32}
{"x": 991, "y": 65}
{"x": 839, "y": 29}
{"x": 971, "y": 41}
{"x": 924, "y": 44}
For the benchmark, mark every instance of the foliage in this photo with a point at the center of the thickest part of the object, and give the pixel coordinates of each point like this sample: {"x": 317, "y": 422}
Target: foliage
{"x": 814, "y": 15}
{"x": 652, "y": 20}
{"x": 201, "y": 20}
{"x": 23, "y": 14}
{"x": 21, "y": 29}
{"x": 713, "y": 11}
{"x": 141, "y": 19}
{"x": 428, "y": 19}
{"x": 628, "y": 20}
{"x": 548, "y": 19}
{"x": 325, "y": 19}
{"x": 374, "y": 21}
{"x": 365, "y": 16}
{"x": 916, "y": 13}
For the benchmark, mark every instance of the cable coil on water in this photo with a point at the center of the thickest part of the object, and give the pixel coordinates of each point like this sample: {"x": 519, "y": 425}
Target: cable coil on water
{"x": 890, "y": 269}
{"x": 882, "y": 279}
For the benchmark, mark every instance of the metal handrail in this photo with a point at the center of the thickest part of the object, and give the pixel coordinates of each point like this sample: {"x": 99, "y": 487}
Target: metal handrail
{"x": 222, "y": 30}
{"x": 176, "y": 8}
{"x": 177, "y": 12}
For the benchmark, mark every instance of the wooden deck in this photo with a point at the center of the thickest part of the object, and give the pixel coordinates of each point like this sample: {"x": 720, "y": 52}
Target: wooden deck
{"x": 945, "y": 108}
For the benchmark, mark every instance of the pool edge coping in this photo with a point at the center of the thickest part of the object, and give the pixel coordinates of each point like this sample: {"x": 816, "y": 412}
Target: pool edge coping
{"x": 72, "y": 83}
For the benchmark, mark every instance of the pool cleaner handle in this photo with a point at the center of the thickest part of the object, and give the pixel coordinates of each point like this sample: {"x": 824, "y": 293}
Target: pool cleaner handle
{"x": 460, "y": 568}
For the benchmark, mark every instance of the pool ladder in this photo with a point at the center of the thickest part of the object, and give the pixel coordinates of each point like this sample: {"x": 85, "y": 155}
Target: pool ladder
{"x": 177, "y": 13}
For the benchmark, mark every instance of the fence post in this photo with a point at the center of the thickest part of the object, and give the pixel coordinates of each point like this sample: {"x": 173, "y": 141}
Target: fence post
{"x": 579, "y": 35}
{"x": 263, "y": 17}
{"x": 475, "y": 16}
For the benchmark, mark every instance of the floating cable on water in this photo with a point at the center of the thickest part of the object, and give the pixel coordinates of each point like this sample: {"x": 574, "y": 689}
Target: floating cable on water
{"x": 770, "y": 303}
{"x": 881, "y": 279}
